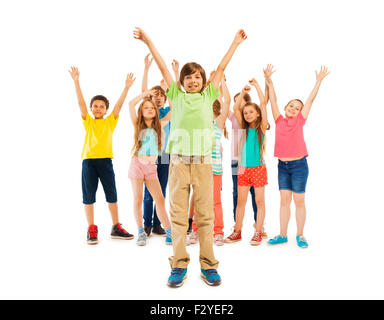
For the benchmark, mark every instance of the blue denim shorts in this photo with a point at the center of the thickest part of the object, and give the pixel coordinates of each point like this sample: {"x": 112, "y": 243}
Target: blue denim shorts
{"x": 92, "y": 171}
{"x": 293, "y": 175}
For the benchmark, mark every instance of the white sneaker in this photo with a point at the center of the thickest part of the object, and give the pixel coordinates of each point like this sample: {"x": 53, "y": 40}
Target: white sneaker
{"x": 218, "y": 240}
{"x": 142, "y": 239}
{"x": 192, "y": 238}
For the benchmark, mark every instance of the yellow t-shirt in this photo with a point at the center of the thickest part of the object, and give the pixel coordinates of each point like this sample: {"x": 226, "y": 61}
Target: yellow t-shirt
{"x": 98, "y": 137}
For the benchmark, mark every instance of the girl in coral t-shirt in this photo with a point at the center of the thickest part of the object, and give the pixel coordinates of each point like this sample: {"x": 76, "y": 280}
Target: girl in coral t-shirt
{"x": 291, "y": 150}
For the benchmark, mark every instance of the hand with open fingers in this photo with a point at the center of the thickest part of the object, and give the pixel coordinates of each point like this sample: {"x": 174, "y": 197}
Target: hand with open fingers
{"x": 322, "y": 73}
{"x": 268, "y": 71}
{"x": 74, "y": 72}
{"x": 163, "y": 85}
{"x": 240, "y": 36}
{"x": 246, "y": 89}
{"x": 130, "y": 80}
{"x": 148, "y": 61}
{"x": 139, "y": 34}
{"x": 175, "y": 65}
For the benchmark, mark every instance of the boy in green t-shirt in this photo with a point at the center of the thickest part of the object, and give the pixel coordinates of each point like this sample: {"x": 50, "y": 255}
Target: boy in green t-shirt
{"x": 190, "y": 144}
{"x": 97, "y": 156}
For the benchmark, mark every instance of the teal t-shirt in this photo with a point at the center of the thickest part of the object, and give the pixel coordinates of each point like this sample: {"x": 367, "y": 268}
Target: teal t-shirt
{"x": 250, "y": 153}
{"x": 192, "y": 129}
{"x": 149, "y": 145}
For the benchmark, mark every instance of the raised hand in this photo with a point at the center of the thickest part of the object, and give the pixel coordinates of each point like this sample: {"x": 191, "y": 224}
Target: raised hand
{"x": 148, "y": 61}
{"x": 268, "y": 71}
{"x": 74, "y": 72}
{"x": 139, "y": 34}
{"x": 322, "y": 73}
{"x": 246, "y": 89}
{"x": 175, "y": 66}
{"x": 253, "y": 82}
{"x": 129, "y": 80}
{"x": 163, "y": 85}
{"x": 240, "y": 36}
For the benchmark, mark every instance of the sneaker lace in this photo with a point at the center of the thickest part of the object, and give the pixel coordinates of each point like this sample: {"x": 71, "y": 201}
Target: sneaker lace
{"x": 118, "y": 226}
{"x": 211, "y": 272}
{"x": 176, "y": 271}
{"x": 302, "y": 239}
{"x": 92, "y": 232}
{"x": 142, "y": 237}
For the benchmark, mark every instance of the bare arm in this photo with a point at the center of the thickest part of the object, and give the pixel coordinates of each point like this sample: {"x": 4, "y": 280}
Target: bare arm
{"x": 175, "y": 67}
{"x": 128, "y": 83}
{"x": 224, "y": 104}
{"x": 147, "y": 64}
{"x": 236, "y": 107}
{"x": 141, "y": 35}
{"x": 272, "y": 95}
{"x": 74, "y": 72}
{"x": 263, "y": 105}
{"x": 239, "y": 38}
{"x": 164, "y": 121}
{"x": 134, "y": 102}
{"x": 319, "y": 78}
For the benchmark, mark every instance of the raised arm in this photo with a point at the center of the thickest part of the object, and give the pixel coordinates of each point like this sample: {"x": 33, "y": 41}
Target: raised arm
{"x": 175, "y": 67}
{"x": 224, "y": 104}
{"x": 319, "y": 78}
{"x": 263, "y": 105}
{"x": 74, "y": 72}
{"x": 164, "y": 121}
{"x": 147, "y": 64}
{"x": 141, "y": 35}
{"x": 128, "y": 83}
{"x": 236, "y": 106}
{"x": 134, "y": 102}
{"x": 239, "y": 38}
{"x": 272, "y": 95}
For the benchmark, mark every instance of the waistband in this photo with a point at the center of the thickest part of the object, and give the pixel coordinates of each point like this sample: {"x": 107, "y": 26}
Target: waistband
{"x": 179, "y": 158}
{"x": 304, "y": 159}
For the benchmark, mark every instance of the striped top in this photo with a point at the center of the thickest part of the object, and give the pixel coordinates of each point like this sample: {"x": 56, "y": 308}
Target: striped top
{"x": 217, "y": 166}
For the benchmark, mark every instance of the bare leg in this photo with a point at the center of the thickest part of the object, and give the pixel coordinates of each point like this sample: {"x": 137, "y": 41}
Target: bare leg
{"x": 137, "y": 188}
{"x": 242, "y": 194}
{"x": 285, "y": 210}
{"x": 301, "y": 212}
{"x": 113, "y": 209}
{"x": 260, "y": 202}
{"x": 89, "y": 214}
{"x": 154, "y": 189}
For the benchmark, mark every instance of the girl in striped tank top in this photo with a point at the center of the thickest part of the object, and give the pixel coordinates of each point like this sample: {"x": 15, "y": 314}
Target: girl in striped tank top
{"x": 220, "y": 115}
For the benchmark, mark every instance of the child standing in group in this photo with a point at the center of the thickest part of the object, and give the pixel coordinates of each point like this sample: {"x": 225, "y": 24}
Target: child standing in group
{"x": 220, "y": 115}
{"x": 291, "y": 150}
{"x": 252, "y": 171}
{"x": 151, "y": 221}
{"x": 190, "y": 144}
{"x": 97, "y": 156}
{"x": 147, "y": 148}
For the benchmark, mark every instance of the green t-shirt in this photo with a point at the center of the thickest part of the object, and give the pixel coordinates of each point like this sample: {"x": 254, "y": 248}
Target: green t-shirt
{"x": 191, "y": 121}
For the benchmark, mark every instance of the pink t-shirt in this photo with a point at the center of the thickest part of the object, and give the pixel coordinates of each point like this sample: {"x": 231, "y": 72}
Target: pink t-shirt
{"x": 289, "y": 137}
{"x": 235, "y": 136}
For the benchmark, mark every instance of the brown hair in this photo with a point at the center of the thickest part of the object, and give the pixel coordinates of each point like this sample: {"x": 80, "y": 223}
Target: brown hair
{"x": 161, "y": 91}
{"x": 190, "y": 68}
{"x": 247, "y": 97}
{"x": 100, "y": 97}
{"x": 217, "y": 111}
{"x": 141, "y": 125}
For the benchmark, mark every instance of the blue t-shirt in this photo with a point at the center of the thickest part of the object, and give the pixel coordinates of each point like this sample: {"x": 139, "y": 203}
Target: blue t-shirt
{"x": 162, "y": 113}
{"x": 149, "y": 145}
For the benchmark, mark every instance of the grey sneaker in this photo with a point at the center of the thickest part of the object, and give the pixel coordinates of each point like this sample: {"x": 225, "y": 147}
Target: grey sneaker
{"x": 218, "y": 240}
{"x": 142, "y": 239}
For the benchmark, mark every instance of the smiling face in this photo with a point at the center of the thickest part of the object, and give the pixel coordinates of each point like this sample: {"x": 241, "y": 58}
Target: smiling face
{"x": 99, "y": 109}
{"x": 192, "y": 77}
{"x": 293, "y": 108}
{"x": 250, "y": 114}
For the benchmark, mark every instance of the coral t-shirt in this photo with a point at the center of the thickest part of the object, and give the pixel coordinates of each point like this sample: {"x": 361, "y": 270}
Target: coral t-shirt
{"x": 289, "y": 137}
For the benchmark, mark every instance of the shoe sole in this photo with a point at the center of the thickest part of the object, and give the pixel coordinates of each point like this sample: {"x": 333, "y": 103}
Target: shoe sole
{"x": 276, "y": 244}
{"x": 172, "y": 285}
{"x": 231, "y": 241}
{"x": 255, "y": 243}
{"x": 92, "y": 243}
{"x": 122, "y": 238}
{"x": 219, "y": 244}
{"x": 215, "y": 284}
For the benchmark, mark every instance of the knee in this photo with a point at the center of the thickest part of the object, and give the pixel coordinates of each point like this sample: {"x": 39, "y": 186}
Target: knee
{"x": 299, "y": 202}
{"x": 285, "y": 201}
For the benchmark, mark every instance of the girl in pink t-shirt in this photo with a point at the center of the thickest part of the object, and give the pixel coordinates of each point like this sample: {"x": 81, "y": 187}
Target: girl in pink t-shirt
{"x": 291, "y": 150}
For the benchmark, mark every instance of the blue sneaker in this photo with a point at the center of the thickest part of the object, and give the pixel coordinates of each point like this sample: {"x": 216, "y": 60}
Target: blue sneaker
{"x": 211, "y": 277}
{"x": 177, "y": 277}
{"x": 278, "y": 240}
{"x": 301, "y": 242}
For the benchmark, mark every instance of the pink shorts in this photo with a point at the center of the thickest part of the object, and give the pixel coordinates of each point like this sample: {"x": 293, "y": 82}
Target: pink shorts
{"x": 141, "y": 169}
{"x": 253, "y": 176}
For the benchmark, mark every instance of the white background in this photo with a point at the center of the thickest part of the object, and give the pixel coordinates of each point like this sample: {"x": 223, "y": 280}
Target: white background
{"x": 43, "y": 250}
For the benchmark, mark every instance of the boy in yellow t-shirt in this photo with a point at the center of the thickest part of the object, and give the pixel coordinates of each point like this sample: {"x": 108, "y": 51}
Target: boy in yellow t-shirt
{"x": 97, "y": 156}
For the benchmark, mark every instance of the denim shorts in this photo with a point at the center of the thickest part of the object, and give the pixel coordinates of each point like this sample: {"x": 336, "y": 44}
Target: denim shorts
{"x": 92, "y": 171}
{"x": 293, "y": 175}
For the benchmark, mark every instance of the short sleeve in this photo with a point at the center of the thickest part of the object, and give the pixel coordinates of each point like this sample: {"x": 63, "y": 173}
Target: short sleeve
{"x": 112, "y": 120}
{"x": 301, "y": 118}
{"x": 279, "y": 118}
{"x": 211, "y": 93}
{"x": 173, "y": 91}
{"x": 86, "y": 121}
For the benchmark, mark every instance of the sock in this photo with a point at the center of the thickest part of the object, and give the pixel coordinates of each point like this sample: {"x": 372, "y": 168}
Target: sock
{"x": 168, "y": 232}
{"x": 140, "y": 230}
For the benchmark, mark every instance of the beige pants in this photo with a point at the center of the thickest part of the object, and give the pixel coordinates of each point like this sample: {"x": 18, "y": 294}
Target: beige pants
{"x": 183, "y": 174}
